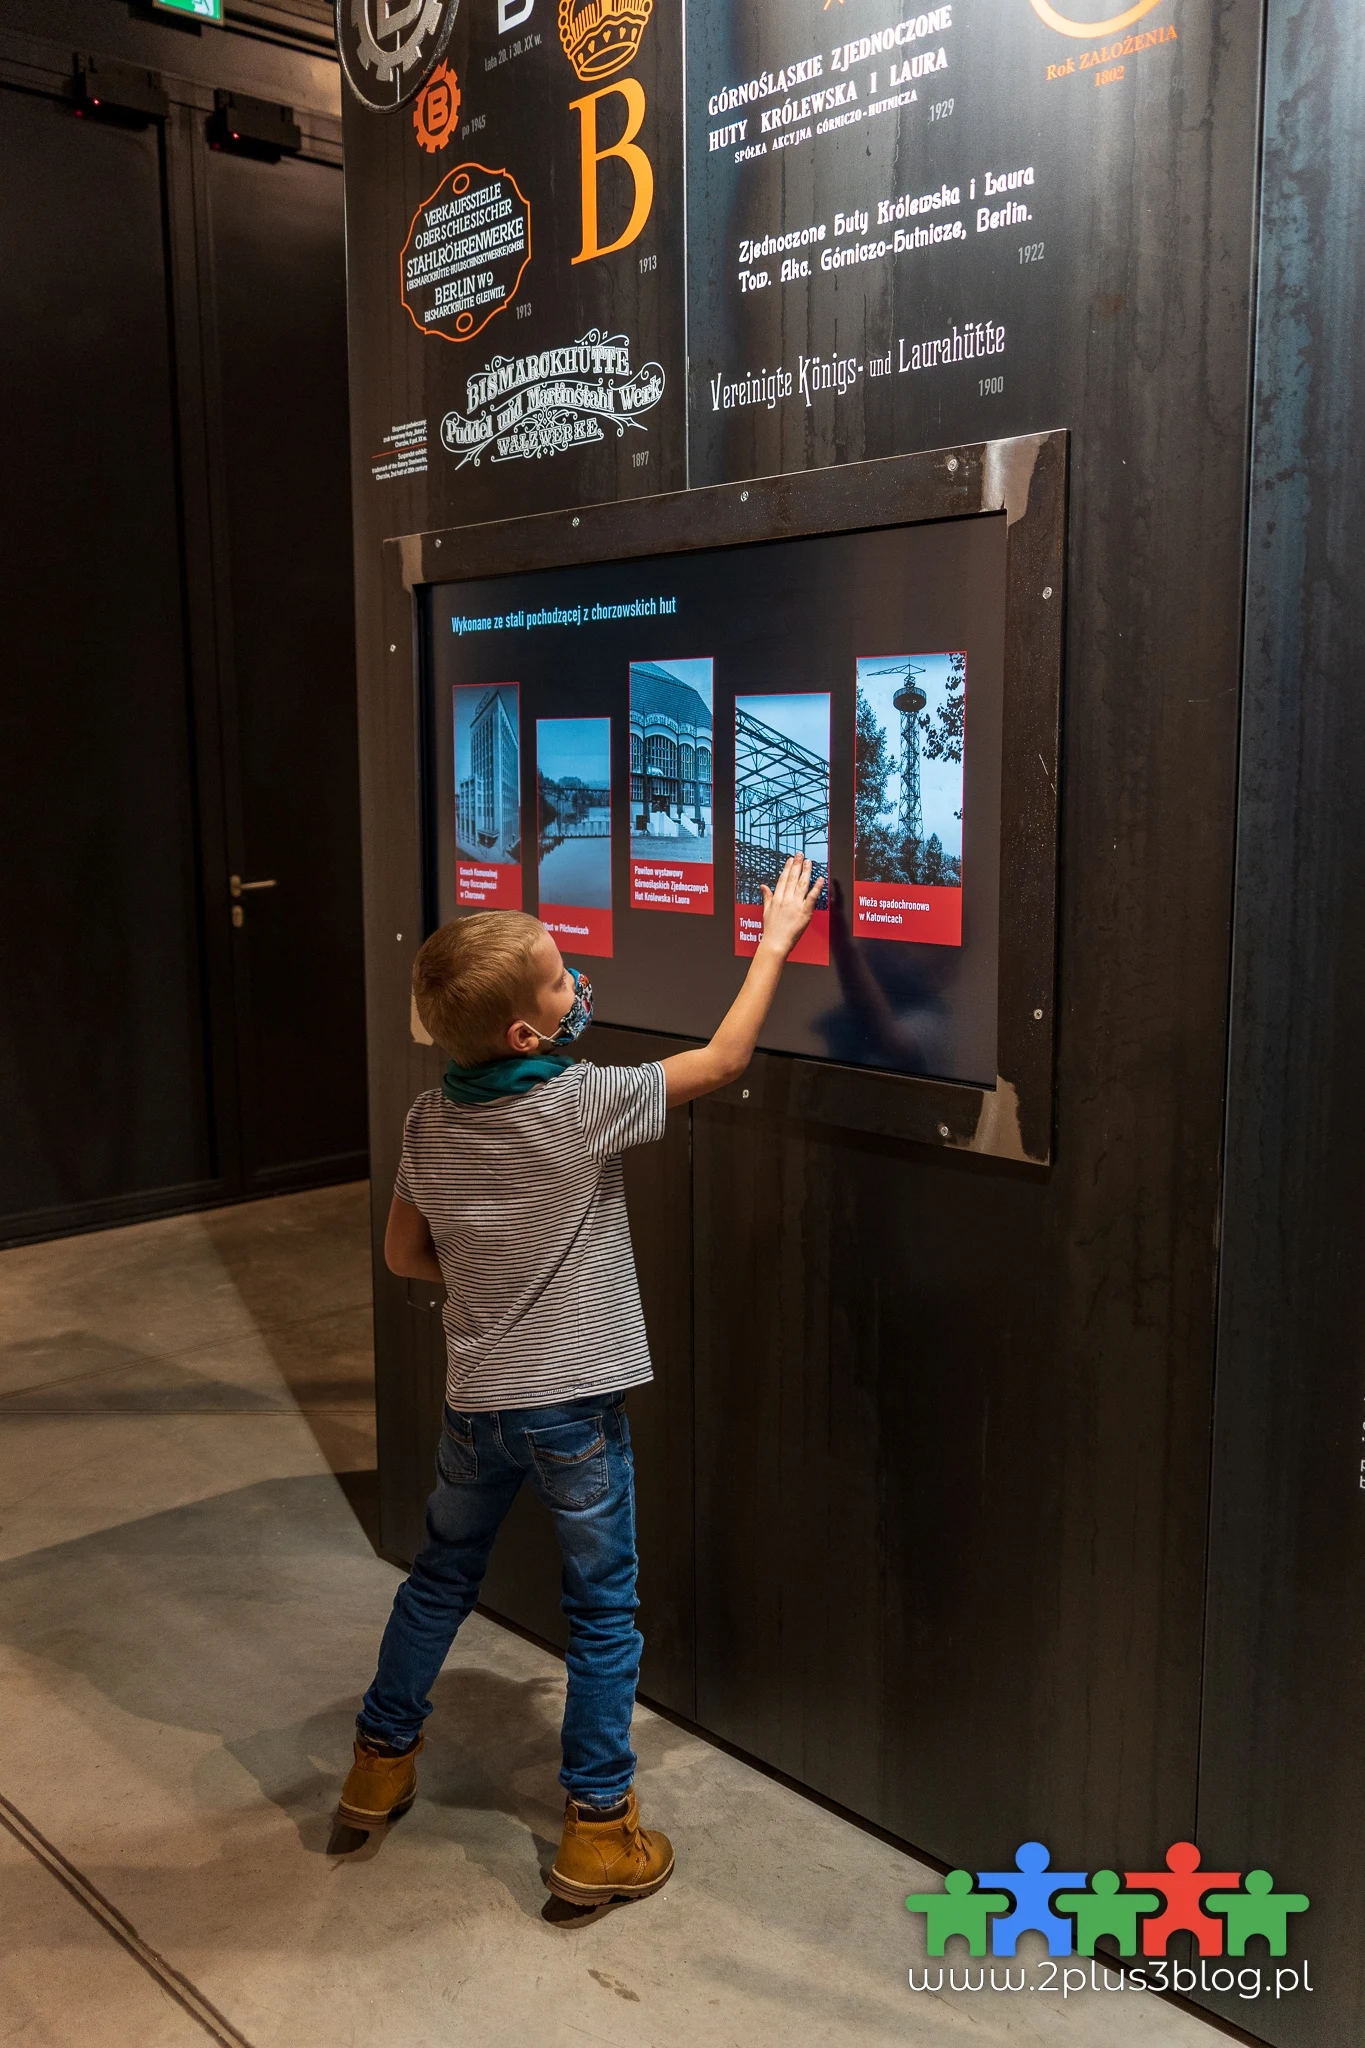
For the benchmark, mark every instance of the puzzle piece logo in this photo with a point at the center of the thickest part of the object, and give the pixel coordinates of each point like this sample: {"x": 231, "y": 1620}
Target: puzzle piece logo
{"x": 1073, "y": 1911}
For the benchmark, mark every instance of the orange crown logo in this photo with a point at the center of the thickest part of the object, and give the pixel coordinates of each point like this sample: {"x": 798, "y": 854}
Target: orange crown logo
{"x": 602, "y": 36}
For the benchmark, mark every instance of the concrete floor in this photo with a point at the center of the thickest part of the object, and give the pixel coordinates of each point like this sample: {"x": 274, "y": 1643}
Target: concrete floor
{"x": 189, "y": 1608}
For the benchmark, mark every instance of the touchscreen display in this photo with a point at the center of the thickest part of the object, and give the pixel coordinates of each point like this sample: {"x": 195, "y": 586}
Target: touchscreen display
{"x": 632, "y": 749}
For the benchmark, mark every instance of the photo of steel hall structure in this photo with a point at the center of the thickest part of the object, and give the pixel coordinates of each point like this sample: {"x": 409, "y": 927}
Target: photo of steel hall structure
{"x": 670, "y": 760}
{"x": 781, "y": 787}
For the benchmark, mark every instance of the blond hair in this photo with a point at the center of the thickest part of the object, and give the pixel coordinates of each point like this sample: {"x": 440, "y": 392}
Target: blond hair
{"x": 471, "y": 979}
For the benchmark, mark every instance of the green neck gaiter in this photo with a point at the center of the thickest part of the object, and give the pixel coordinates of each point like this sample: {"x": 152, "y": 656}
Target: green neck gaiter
{"x": 495, "y": 1079}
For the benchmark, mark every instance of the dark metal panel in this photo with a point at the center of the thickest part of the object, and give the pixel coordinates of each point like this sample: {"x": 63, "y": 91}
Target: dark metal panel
{"x": 953, "y": 1421}
{"x": 1282, "y": 1778}
{"x": 103, "y": 1007}
{"x": 409, "y": 1348}
{"x": 215, "y": 56}
{"x": 285, "y": 604}
{"x": 953, "y": 1414}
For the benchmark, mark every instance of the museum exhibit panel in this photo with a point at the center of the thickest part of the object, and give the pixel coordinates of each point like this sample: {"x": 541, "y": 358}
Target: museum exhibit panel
{"x": 743, "y": 776}
{"x": 850, "y": 430}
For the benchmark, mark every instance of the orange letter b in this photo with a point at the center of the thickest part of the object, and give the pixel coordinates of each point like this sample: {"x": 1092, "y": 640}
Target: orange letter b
{"x": 631, "y": 154}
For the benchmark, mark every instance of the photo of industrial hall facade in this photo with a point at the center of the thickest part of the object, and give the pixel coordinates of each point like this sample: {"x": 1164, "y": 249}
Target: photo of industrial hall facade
{"x": 670, "y": 762}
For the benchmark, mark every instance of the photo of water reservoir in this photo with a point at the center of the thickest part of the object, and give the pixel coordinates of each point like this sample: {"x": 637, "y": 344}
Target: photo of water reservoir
{"x": 573, "y": 788}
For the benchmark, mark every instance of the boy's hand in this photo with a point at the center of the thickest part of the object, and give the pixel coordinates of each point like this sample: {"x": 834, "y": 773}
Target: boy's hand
{"x": 786, "y": 913}
{"x": 787, "y": 908}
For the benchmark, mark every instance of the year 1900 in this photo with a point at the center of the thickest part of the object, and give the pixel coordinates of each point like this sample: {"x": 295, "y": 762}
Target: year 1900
{"x": 991, "y": 387}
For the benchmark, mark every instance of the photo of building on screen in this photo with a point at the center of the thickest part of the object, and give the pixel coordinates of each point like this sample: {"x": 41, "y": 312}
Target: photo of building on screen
{"x": 573, "y": 806}
{"x": 488, "y": 796}
{"x": 781, "y": 808}
{"x": 671, "y": 865}
{"x": 909, "y": 741}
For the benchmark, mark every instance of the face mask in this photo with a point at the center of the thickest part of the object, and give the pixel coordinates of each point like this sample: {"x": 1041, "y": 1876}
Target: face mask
{"x": 578, "y": 1016}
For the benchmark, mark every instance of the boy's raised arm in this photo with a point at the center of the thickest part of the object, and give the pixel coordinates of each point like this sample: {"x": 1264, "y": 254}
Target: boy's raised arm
{"x": 786, "y": 913}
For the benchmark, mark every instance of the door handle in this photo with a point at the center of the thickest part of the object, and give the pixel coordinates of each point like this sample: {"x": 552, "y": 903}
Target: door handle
{"x": 237, "y": 887}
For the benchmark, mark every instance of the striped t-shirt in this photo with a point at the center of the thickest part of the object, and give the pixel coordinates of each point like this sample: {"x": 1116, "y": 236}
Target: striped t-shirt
{"x": 525, "y": 1199}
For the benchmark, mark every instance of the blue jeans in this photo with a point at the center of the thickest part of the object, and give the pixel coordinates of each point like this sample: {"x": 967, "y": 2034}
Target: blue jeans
{"x": 578, "y": 1460}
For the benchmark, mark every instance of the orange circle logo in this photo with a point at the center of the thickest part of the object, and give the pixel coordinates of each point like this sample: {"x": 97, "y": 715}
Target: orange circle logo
{"x": 437, "y": 110}
{"x": 1064, "y": 27}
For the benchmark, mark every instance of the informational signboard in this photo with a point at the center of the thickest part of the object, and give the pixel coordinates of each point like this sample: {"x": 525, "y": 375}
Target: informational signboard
{"x": 885, "y": 210}
{"x": 202, "y": 10}
{"x": 632, "y": 248}
{"x": 524, "y": 201}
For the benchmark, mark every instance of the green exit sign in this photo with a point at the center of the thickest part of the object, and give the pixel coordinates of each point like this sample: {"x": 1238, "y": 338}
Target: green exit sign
{"x": 202, "y": 10}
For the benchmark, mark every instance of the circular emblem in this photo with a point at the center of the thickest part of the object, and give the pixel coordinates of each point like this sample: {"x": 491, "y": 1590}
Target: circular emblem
{"x": 437, "y": 112}
{"x": 388, "y": 48}
{"x": 1087, "y": 29}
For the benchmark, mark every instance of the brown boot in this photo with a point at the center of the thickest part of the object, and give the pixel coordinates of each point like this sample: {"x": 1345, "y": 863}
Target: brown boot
{"x": 608, "y": 1859}
{"x": 378, "y": 1788}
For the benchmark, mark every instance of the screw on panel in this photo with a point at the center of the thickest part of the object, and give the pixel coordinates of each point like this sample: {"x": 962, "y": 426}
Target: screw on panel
{"x": 1038, "y": 1016}
{"x": 943, "y": 1131}
{"x": 746, "y": 1095}
{"x": 393, "y": 647}
{"x": 1047, "y": 590}
{"x": 575, "y": 519}
{"x": 744, "y": 497}
{"x": 952, "y": 464}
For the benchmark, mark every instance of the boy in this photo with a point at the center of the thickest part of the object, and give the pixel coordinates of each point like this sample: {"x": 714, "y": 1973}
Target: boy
{"x": 510, "y": 1191}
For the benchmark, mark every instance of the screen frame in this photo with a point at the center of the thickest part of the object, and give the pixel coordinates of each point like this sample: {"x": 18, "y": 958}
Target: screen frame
{"x": 1026, "y": 478}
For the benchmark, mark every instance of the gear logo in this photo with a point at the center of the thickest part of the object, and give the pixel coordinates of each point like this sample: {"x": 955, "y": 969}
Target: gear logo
{"x": 437, "y": 113}
{"x": 389, "y": 48}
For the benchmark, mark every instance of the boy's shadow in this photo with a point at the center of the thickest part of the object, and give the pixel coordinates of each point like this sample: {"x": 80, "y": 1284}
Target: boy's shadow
{"x": 491, "y": 1755}
{"x": 158, "y": 1619}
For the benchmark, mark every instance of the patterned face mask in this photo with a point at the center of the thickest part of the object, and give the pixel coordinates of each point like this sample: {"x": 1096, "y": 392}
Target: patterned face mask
{"x": 578, "y": 1016}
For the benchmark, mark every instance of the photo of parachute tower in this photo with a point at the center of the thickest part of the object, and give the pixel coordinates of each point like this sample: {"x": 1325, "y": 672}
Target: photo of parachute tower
{"x": 781, "y": 787}
{"x": 910, "y": 701}
{"x": 908, "y": 752}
